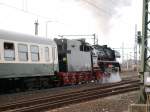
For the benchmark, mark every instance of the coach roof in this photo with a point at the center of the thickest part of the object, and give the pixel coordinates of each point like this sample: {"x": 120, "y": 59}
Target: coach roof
{"x": 8, "y": 35}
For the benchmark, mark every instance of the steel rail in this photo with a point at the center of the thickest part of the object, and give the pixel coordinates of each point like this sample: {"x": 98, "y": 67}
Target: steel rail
{"x": 59, "y": 96}
{"x": 55, "y": 101}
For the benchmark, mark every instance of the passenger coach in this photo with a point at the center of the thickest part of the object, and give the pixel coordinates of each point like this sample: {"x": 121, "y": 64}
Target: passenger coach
{"x": 26, "y": 58}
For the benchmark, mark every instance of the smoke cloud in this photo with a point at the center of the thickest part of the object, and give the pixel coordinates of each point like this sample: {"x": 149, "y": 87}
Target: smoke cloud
{"x": 105, "y": 10}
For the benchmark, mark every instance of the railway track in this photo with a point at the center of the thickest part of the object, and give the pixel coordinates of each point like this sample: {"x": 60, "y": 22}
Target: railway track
{"x": 58, "y": 100}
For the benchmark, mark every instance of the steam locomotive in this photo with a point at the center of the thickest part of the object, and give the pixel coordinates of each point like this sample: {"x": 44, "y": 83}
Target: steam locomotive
{"x": 31, "y": 62}
{"x": 105, "y": 57}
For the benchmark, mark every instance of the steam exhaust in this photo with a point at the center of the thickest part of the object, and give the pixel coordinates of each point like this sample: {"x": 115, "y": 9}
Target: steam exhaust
{"x": 112, "y": 76}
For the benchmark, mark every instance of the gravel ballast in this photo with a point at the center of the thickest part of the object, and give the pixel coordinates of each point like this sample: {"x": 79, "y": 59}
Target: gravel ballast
{"x": 116, "y": 103}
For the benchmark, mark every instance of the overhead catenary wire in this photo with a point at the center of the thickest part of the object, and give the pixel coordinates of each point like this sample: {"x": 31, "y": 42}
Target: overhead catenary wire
{"x": 24, "y": 5}
{"x": 99, "y": 8}
{"x": 25, "y": 11}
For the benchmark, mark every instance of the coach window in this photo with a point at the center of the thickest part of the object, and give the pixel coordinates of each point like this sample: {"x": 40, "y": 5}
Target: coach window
{"x": 35, "y": 53}
{"x": 53, "y": 53}
{"x": 46, "y": 53}
{"x": 23, "y": 52}
{"x": 9, "y": 51}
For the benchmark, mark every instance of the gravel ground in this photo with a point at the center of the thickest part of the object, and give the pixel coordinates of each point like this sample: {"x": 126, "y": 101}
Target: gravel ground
{"x": 128, "y": 74}
{"x": 117, "y": 103}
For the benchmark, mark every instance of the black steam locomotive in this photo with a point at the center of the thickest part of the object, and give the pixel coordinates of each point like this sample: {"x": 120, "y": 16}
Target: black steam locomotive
{"x": 106, "y": 57}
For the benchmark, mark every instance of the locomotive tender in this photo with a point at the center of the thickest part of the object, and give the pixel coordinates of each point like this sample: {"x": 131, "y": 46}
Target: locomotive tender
{"x": 73, "y": 55}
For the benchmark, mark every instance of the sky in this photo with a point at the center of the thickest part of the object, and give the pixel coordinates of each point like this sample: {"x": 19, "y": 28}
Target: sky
{"x": 113, "y": 21}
